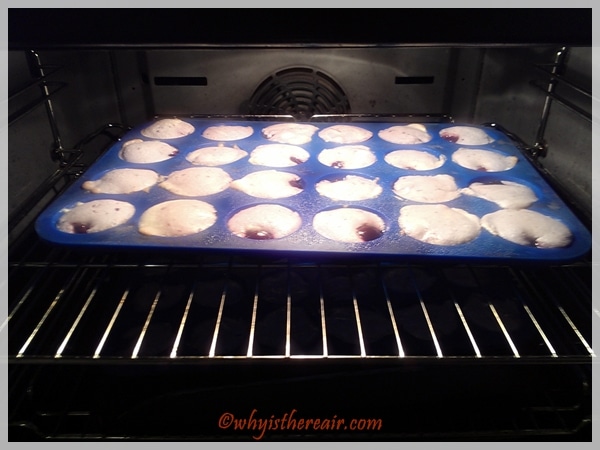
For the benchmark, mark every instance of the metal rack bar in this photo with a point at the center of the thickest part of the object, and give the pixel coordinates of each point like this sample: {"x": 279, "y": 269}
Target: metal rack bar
{"x": 108, "y": 329}
{"x": 566, "y": 103}
{"x": 183, "y": 321}
{"x": 436, "y": 343}
{"x": 361, "y": 339}
{"x": 48, "y": 71}
{"x": 31, "y": 106}
{"x": 392, "y": 317}
{"x": 463, "y": 320}
{"x": 288, "y": 315}
{"x": 541, "y": 331}
{"x": 434, "y": 338}
{"x": 322, "y": 315}
{"x": 39, "y": 69}
{"x": 553, "y": 71}
{"x": 576, "y": 331}
{"x": 540, "y": 143}
{"x": 253, "y": 319}
{"x": 140, "y": 339}
{"x": 504, "y": 331}
{"x": 213, "y": 344}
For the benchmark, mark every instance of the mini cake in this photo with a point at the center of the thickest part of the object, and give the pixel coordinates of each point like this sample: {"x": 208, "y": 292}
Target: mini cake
{"x": 227, "y": 132}
{"x": 168, "y": 129}
{"x": 216, "y": 156}
{"x": 95, "y": 216}
{"x": 426, "y": 188}
{"x": 269, "y": 184}
{"x": 465, "y": 135}
{"x": 351, "y": 225}
{"x": 347, "y": 157}
{"x": 438, "y": 224}
{"x": 414, "y": 160}
{"x": 405, "y": 134}
{"x": 526, "y": 227}
{"x": 142, "y": 152}
{"x": 290, "y": 133}
{"x": 345, "y": 134}
{"x": 349, "y": 188}
{"x": 483, "y": 160}
{"x": 196, "y": 181}
{"x": 266, "y": 221}
{"x": 122, "y": 181}
{"x": 174, "y": 218}
{"x": 278, "y": 155}
{"x": 506, "y": 194}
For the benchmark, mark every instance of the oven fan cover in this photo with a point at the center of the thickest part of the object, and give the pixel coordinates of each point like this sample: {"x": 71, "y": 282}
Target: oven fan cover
{"x": 300, "y": 92}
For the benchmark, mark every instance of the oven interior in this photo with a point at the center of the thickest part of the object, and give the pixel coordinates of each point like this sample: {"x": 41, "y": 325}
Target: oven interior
{"x": 149, "y": 345}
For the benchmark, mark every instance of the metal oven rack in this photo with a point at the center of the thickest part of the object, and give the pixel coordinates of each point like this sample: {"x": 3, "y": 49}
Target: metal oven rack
{"x": 79, "y": 306}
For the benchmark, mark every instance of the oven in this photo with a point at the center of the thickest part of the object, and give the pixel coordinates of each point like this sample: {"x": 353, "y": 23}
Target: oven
{"x": 113, "y": 344}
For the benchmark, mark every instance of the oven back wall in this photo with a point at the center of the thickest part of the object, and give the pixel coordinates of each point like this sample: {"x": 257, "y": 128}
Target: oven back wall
{"x": 374, "y": 80}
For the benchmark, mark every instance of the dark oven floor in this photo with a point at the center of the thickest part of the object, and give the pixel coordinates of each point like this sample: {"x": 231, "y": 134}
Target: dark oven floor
{"x": 352, "y": 402}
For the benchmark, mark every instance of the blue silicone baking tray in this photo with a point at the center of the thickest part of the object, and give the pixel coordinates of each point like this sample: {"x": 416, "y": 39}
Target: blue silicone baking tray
{"x": 391, "y": 243}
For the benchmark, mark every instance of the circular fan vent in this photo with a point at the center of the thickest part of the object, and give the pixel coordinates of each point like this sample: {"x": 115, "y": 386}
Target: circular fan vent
{"x": 300, "y": 92}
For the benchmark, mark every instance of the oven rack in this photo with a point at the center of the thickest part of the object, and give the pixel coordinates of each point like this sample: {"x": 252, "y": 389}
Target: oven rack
{"x": 101, "y": 343}
{"x": 155, "y": 307}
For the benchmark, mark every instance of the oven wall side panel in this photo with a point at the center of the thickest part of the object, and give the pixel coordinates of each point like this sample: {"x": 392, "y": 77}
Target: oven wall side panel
{"x": 90, "y": 100}
{"x": 569, "y": 135}
{"x": 29, "y": 137}
{"x": 506, "y": 96}
{"x": 85, "y": 103}
{"x": 509, "y": 98}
